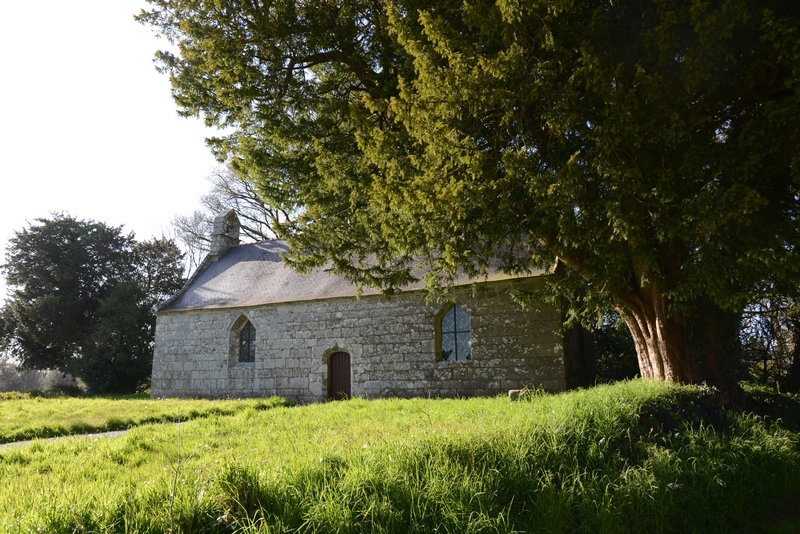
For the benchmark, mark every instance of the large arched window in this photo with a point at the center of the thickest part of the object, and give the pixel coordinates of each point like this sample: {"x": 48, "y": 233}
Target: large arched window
{"x": 453, "y": 341}
{"x": 247, "y": 343}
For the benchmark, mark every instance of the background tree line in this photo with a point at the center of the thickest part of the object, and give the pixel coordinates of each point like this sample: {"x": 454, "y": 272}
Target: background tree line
{"x": 82, "y": 300}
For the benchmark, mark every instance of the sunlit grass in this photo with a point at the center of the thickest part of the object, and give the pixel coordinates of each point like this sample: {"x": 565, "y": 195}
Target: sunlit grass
{"x": 634, "y": 457}
{"x": 24, "y": 418}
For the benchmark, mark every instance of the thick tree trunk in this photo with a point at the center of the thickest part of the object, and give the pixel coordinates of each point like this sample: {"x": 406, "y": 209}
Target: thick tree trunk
{"x": 698, "y": 346}
{"x": 660, "y": 339}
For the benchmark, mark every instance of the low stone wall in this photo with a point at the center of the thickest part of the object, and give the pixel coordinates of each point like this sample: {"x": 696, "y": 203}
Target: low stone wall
{"x": 391, "y": 344}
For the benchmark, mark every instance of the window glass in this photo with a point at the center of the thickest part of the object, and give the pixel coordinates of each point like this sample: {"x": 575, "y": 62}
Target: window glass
{"x": 455, "y": 331}
{"x": 247, "y": 343}
{"x": 448, "y": 347}
{"x": 462, "y": 320}
{"x": 463, "y": 346}
{"x": 448, "y": 321}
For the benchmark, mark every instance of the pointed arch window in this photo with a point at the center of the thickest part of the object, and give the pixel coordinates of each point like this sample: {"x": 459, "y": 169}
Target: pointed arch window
{"x": 247, "y": 343}
{"x": 453, "y": 341}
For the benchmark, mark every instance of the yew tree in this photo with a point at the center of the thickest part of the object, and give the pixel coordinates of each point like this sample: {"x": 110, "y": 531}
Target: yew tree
{"x": 82, "y": 300}
{"x": 646, "y": 150}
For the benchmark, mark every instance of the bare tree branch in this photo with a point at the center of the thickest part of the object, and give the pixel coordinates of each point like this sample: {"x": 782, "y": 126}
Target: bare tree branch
{"x": 259, "y": 221}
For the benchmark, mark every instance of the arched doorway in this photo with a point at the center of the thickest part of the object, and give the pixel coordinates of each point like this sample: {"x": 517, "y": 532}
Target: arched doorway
{"x": 339, "y": 376}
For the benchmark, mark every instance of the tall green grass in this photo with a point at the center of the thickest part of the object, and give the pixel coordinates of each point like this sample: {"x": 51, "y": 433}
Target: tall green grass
{"x": 633, "y": 457}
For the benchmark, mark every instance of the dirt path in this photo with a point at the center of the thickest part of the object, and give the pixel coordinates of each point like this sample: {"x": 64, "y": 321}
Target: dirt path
{"x": 113, "y": 434}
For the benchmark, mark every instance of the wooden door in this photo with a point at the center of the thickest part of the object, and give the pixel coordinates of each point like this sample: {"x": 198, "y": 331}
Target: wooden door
{"x": 339, "y": 373}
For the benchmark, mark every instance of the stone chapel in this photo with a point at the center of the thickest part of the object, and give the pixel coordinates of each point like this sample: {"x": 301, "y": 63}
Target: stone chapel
{"x": 246, "y": 325}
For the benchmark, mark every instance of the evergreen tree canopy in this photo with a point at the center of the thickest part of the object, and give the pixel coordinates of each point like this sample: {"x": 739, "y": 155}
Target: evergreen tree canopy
{"x": 83, "y": 299}
{"x": 651, "y": 147}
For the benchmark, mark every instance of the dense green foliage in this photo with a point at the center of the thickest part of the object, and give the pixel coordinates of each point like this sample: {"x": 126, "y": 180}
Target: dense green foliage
{"x": 614, "y": 351}
{"x": 83, "y": 299}
{"x": 633, "y": 457}
{"x": 649, "y": 146}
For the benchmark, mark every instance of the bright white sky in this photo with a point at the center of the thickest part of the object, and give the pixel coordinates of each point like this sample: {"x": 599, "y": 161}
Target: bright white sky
{"x": 88, "y": 125}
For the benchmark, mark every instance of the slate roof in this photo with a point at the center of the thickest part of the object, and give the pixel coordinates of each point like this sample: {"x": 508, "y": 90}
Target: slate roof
{"x": 254, "y": 274}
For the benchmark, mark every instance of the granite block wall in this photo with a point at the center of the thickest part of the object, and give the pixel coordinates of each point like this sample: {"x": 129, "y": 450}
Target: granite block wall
{"x": 391, "y": 345}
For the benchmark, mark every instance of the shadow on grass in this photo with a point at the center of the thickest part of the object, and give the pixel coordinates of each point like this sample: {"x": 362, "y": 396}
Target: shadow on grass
{"x": 680, "y": 467}
{"x": 669, "y": 464}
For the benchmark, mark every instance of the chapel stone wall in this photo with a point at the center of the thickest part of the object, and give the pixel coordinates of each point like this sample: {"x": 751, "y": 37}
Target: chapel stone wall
{"x": 391, "y": 344}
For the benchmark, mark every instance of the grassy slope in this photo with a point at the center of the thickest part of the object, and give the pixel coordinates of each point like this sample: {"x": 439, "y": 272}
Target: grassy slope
{"x": 610, "y": 459}
{"x": 23, "y": 418}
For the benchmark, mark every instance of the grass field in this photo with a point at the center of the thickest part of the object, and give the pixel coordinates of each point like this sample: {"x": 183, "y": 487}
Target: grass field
{"x": 633, "y": 457}
{"x": 23, "y": 418}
